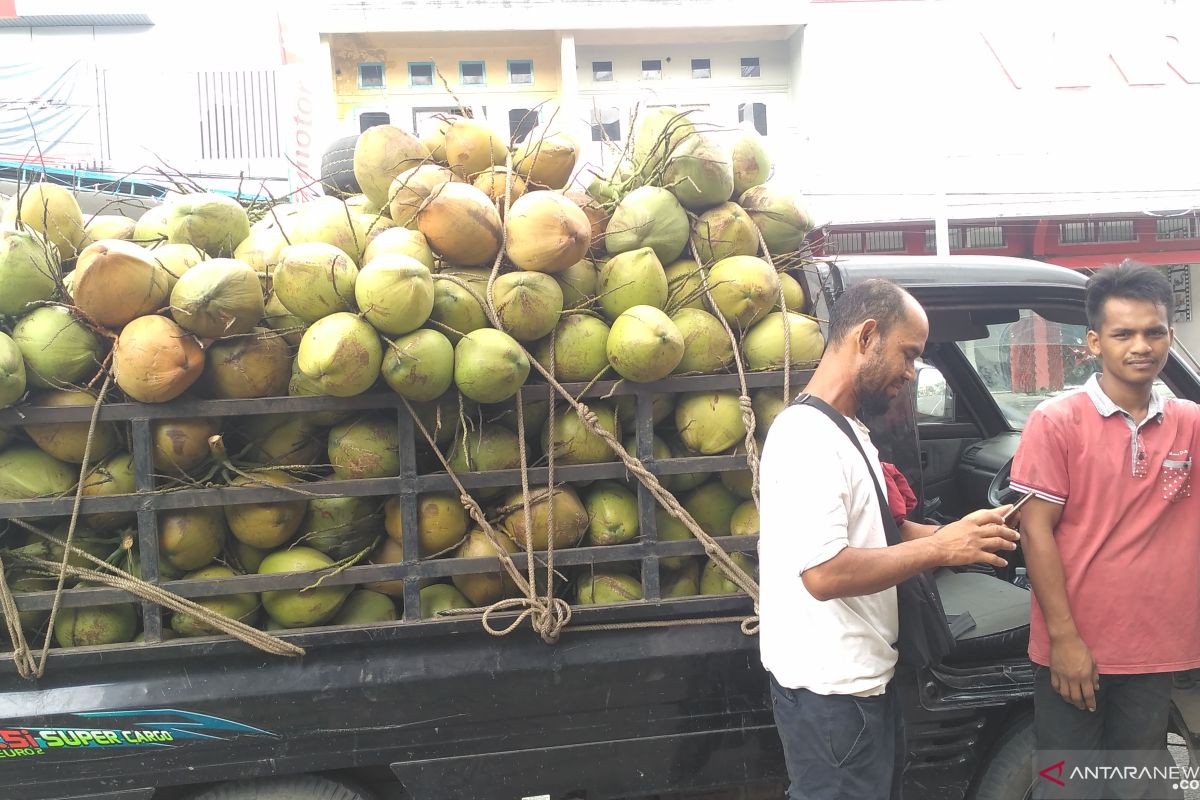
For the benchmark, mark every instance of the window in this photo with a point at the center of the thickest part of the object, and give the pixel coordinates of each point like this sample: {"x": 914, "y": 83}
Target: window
{"x": 652, "y": 69}
{"x": 426, "y": 120}
{"x": 756, "y": 112}
{"x": 701, "y": 68}
{"x": 420, "y": 73}
{"x": 606, "y": 125}
{"x": 370, "y": 76}
{"x": 1176, "y": 228}
{"x": 520, "y": 122}
{"x": 238, "y": 119}
{"x": 602, "y": 71}
{"x": 520, "y": 72}
{"x": 935, "y": 398}
{"x": 750, "y": 68}
{"x": 885, "y": 241}
{"x": 369, "y": 119}
{"x": 471, "y": 73}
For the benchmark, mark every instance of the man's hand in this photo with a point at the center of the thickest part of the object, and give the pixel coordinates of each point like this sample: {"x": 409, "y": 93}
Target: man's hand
{"x": 975, "y": 539}
{"x": 1073, "y": 672}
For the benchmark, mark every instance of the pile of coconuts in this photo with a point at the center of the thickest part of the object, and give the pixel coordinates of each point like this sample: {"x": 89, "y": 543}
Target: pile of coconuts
{"x": 633, "y": 274}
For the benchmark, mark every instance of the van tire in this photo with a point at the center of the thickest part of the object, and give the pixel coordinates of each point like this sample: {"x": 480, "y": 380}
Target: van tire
{"x": 337, "y": 168}
{"x": 290, "y": 787}
{"x": 1008, "y": 772}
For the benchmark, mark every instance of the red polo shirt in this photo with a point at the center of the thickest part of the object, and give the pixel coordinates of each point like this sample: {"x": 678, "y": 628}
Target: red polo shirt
{"x": 1129, "y": 535}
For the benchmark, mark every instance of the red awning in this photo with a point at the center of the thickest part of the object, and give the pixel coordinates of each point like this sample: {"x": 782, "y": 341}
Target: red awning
{"x": 1102, "y": 260}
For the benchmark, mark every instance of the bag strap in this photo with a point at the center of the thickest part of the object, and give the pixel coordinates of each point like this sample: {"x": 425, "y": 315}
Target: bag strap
{"x": 890, "y": 530}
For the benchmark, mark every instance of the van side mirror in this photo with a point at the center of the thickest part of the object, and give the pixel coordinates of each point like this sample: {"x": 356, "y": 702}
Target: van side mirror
{"x": 935, "y": 399}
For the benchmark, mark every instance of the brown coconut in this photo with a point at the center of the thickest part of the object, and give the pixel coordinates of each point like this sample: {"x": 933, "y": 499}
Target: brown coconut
{"x": 412, "y": 188}
{"x": 258, "y": 364}
{"x": 493, "y": 182}
{"x": 547, "y": 157}
{"x": 472, "y": 146}
{"x": 155, "y": 360}
{"x": 461, "y": 225}
{"x": 116, "y": 281}
{"x": 547, "y": 232}
{"x": 596, "y": 215}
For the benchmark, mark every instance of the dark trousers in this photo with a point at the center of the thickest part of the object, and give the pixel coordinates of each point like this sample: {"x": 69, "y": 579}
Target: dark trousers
{"x": 840, "y": 747}
{"x": 1131, "y": 715}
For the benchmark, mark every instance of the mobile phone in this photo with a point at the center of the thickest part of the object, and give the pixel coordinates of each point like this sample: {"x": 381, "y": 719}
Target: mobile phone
{"x": 1017, "y": 506}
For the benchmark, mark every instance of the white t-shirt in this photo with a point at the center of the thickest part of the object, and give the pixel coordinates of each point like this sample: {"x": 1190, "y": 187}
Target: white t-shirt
{"x": 816, "y": 499}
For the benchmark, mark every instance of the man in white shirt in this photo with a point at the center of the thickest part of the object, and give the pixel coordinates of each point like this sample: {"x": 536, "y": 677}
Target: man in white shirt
{"x": 829, "y": 619}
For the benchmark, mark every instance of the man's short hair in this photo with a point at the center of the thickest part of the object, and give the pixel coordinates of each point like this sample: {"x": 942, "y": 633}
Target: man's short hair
{"x": 1128, "y": 281}
{"x": 877, "y": 299}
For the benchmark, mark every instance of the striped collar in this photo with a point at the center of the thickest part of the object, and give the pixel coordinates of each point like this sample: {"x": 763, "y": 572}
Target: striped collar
{"x": 1107, "y": 407}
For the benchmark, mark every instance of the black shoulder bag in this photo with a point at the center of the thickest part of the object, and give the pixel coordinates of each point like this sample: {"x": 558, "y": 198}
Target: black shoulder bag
{"x": 925, "y": 635}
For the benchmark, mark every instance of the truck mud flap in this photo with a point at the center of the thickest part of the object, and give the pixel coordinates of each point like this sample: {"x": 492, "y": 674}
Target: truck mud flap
{"x": 621, "y": 768}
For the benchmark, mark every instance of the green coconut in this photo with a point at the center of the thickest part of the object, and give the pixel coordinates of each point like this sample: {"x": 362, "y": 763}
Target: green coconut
{"x": 706, "y": 345}
{"x": 51, "y": 211}
{"x": 283, "y": 322}
{"x": 580, "y": 348}
{"x": 155, "y": 360}
{"x": 328, "y": 220}
{"x": 190, "y": 538}
{"x": 682, "y": 581}
{"x": 712, "y": 506}
{"x": 342, "y": 353}
{"x": 181, "y": 445}
{"x": 724, "y": 231}
{"x": 177, "y": 259}
{"x": 578, "y": 284}
{"x": 612, "y": 511}
{"x": 267, "y": 524}
{"x": 95, "y": 625}
{"x": 441, "y": 522}
{"x": 603, "y": 588}
{"x": 739, "y": 481}
{"x": 546, "y": 232}
{"x": 261, "y": 249}
{"x": 745, "y": 520}
{"x": 536, "y": 412}
{"x": 107, "y": 226}
{"x": 744, "y": 289}
{"x": 700, "y": 172}
{"x": 59, "y": 349}
{"x": 634, "y": 278}
{"x": 395, "y": 293}
{"x": 714, "y": 582}
{"x": 31, "y": 621}
{"x": 685, "y": 286}
{"x": 456, "y": 308}
{"x": 439, "y": 597}
{"x": 365, "y": 607}
{"x": 659, "y": 134}
{"x": 242, "y": 607}
{"x": 67, "y": 441}
{"x": 767, "y": 404}
{"x": 341, "y": 526}
{"x": 644, "y": 344}
{"x": 29, "y": 270}
{"x": 751, "y": 163}
{"x": 388, "y": 552}
{"x": 484, "y": 588}
{"x": 661, "y": 406}
{"x": 402, "y": 242}
{"x": 462, "y": 225}
{"x": 573, "y": 443}
{"x": 258, "y": 364}
{"x": 27, "y": 472}
{"x": 648, "y": 217}
{"x": 116, "y": 281}
{"x": 763, "y": 344}
{"x": 709, "y": 422}
{"x": 669, "y": 529}
{"x": 779, "y": 215}
{"x": 528, "y": 304}
{"x": 658, "y": 447}
{"x": 473, "y": 145}
{"x": 570, "y": 517}
{"x": 219, "y": 297}
{"x": 433, "y": 134}
{"x": 486, "y": 447}
{"x": 420, "y": 365}
{"x": 299, "y": 608}
{"x": 412, "y": 188}
{"x": 12, "y": 372}
{"x": 301, "y": 385}
{"x": 280, "y": 440}
{"x": 363, "y": 204}
{"x": 369, "y": 227}
{"x": 314, "y": 280}
{"x": 365, "y": 447}
{"x": 793, "y": 293}
{"x": 215, "y": 223}
{"x": 151, "y": 228}
{"x": 489, "y": 365}
{"x": 381, "y": 153}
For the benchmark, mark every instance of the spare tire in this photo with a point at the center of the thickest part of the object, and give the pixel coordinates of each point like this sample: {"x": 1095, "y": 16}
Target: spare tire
{"x": 337, "y": 168}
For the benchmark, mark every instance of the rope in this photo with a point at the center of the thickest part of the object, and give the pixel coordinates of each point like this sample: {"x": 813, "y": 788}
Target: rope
{"x": 22, "y": 657}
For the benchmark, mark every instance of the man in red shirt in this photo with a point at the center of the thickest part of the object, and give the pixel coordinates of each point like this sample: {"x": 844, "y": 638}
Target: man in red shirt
{"x": 1112, "y": 539}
